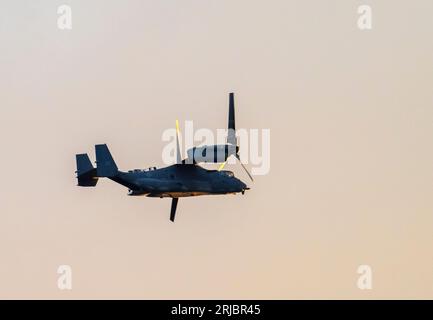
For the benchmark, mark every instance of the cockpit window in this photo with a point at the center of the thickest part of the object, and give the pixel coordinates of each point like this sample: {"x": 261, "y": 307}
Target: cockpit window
{"x": 228, "y": 173}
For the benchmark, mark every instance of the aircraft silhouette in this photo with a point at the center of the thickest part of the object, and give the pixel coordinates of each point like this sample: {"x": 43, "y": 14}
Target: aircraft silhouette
{"x": 183, "y": 179}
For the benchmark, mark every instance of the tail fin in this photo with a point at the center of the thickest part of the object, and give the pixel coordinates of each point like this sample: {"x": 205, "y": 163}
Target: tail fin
{"x": 86, "y": 173}
{"x": 231, "y": 136}
{"x": 105, "y": 165}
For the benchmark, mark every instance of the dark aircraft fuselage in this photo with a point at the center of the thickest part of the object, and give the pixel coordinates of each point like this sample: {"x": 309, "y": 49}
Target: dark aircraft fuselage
{"x": 179, "y": 180}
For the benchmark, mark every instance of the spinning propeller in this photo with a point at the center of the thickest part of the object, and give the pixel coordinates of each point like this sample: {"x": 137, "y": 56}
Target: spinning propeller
{"x": 232, "y": 144}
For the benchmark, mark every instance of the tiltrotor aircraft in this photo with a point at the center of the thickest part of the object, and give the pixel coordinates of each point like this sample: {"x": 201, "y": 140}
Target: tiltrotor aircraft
{"x": 183, "y": 179}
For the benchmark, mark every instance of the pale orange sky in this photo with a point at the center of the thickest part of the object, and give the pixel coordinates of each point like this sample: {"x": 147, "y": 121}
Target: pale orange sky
{"x": 351, "y": 120}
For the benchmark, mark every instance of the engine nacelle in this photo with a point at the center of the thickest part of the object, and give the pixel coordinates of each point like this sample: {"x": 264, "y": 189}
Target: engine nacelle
{"x": 214, "y": 153}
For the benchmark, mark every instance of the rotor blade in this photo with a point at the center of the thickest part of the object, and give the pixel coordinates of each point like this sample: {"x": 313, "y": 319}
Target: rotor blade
{"x": 231, "y": 124}
{"x": 173, "y": 208}
{"x": 178, "y": 155}
{"x": 222, "y": 165}
{"x": 231, "y": 135}
{"x": 246, "y": 170}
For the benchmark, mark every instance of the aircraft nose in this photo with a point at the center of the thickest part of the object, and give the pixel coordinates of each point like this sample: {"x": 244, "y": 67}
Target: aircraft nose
{"x": 242, "y": 185}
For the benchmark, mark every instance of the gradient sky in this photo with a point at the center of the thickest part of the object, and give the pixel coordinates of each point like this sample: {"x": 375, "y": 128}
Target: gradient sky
{"x": 351, "y": 120}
